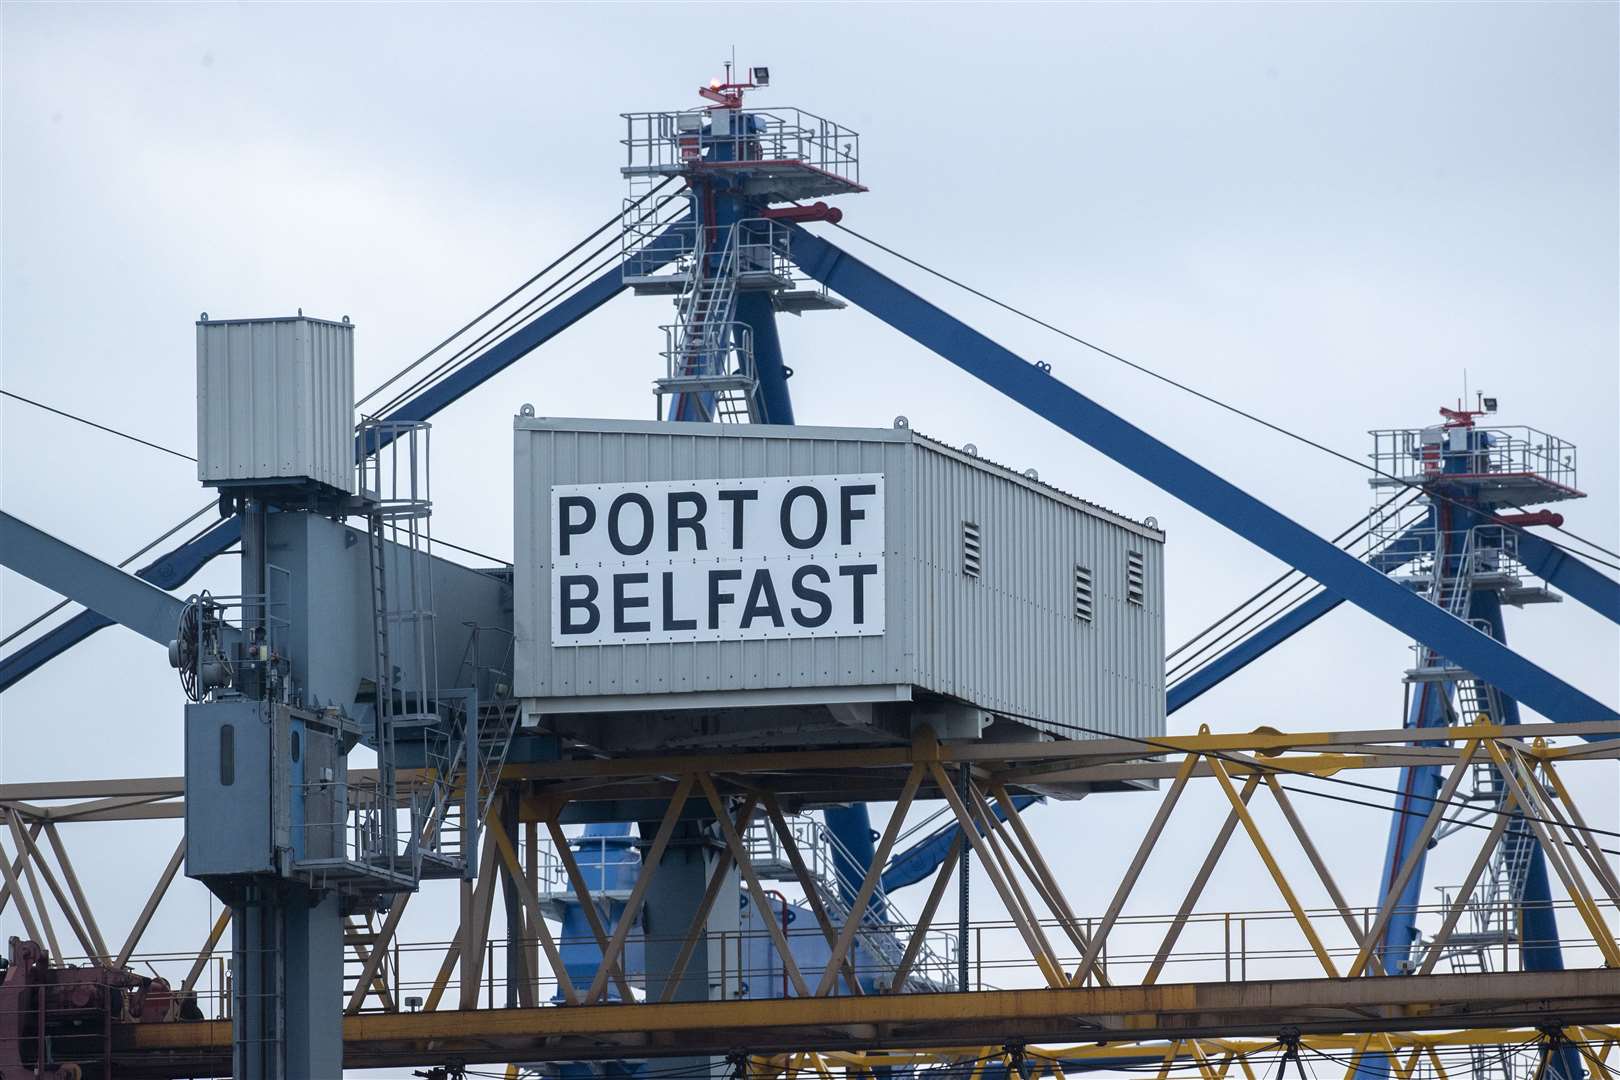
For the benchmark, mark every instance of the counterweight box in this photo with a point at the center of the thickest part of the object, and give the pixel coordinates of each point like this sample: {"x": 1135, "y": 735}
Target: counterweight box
{"x": 275, "y": 403}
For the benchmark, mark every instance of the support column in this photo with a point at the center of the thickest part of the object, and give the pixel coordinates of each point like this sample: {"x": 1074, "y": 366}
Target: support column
{"x": 1540, "y": 949}
{"x": 517, "y": 975}
{"x": 673, "y": 902}
{"x": 754, "y": 308}
{"x": 287, "y": 984}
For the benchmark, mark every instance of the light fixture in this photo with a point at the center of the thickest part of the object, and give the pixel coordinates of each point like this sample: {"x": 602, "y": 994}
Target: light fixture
{"x": 1490, "y": 404}
{"x": 762, "y": 76}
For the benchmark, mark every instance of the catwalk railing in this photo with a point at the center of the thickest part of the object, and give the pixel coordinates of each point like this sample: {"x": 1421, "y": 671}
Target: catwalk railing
{"x": 1313, "y": 938}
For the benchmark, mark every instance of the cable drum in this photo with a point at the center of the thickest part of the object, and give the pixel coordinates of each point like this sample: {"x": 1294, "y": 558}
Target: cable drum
{"x": 183, "y": 651}
{"x": 195, "y": 651}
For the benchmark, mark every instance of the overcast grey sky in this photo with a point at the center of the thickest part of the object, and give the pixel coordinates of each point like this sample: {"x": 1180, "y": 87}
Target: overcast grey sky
{"x": 1327, "y": 214}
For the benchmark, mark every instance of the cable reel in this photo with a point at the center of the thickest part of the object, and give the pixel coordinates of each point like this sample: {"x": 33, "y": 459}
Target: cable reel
{"x": 196, "y": 651}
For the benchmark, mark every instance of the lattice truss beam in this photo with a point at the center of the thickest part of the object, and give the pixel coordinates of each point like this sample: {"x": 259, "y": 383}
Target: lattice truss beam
{"x": 1114, "y": 999}
{"x": 1410, "y": 1057}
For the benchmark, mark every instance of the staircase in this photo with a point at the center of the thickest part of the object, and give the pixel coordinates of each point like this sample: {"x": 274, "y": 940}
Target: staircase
{"x": 881, "y": 949}
{"x": 1491, "y": 919}
{"x": 1491, "y": 928}
{"x": 446, "y": 835}
{"x": 708, "y": 354}
{"x": 1449, "y": 585}
{"x": 463, "y": 739}
{"x": 359, "y": 939}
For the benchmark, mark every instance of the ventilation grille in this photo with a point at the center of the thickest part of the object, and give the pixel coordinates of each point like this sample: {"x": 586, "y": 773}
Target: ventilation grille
{"x": 1135, "y": 579}
{"x": 972, "y": 550}
{"x": 1083, "y": 606}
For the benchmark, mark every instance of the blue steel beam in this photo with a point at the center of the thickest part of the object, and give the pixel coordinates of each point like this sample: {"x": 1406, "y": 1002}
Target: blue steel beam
{"x": 170, "y": 571}
{"x": 99, "y": 586}
{"x": 754, "y": 308}
{"x": 1190, "y": 482}
{"x": 521, "y": 342}
{"x": 1249, "y": 650}
{"x": 1562, "y": 569}
{"x": 1397, "y": 553}
{"x": 921, "y": 859}
{"x": 177, "y": 567}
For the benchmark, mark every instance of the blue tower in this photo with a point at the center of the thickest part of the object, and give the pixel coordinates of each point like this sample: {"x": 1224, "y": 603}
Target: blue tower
{"x": 746, "y": 173}
{"x": 1475, "y": 482}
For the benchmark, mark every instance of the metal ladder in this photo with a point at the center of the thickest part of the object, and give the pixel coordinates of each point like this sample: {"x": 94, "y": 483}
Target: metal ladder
{"x": 384, "y": 826}
{"x": 1493, "y": 917}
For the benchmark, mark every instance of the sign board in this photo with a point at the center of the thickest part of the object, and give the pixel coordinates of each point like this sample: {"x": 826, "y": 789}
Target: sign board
{"x": 717, "y": 560}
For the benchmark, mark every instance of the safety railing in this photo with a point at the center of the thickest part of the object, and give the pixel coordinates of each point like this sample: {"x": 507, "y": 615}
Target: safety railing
{"x": 600, "y": 860}
{"x": 1425, "y": 455}
{"x": 355, "y": 834}
{"x": 667, "y": 143}
{"x": 763, "y": 254}
{"x": 1486, "y": 554}
{"x": 723, "y": 351}
{"x": 823, "y": 854}
{"x": 671, "y": 261}
{"x": 1212, "y": 947}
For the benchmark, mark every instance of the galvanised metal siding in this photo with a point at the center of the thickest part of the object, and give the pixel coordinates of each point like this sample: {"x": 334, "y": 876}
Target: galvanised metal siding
{"x": 275, "y": 400}
{"x": 585, "y": 451}
{"x": 1007, "y": 642}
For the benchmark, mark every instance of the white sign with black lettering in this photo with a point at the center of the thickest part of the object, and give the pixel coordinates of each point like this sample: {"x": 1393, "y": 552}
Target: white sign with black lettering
{"x": 716, "y": 560}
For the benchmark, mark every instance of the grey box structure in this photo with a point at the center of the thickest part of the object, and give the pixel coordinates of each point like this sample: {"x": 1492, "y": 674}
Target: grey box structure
{"x": 983, "y": 572}
{"x": 248, "y": 761}
{"x": 235, "y": 793}
{"x": 275, "y": 402}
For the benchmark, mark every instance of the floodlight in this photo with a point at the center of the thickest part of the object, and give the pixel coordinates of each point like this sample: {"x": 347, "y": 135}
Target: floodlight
{"x": 762, "y": 76}
{"x": 1490, "y": 404}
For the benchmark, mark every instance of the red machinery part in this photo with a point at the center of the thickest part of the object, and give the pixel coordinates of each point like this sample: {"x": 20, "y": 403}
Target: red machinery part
{"x": 818, "y": 211}
{"x": 1532, "y": 517}
{"x": 54, "y": 1020}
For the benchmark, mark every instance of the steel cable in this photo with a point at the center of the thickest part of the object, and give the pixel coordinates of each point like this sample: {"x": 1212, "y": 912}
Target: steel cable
{"x": 402, "y": 372}
{"x": 1209, "y": 398}
{"x": 447, "y": 367}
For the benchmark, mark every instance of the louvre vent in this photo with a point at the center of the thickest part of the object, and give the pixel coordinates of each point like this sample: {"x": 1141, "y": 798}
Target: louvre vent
{"x": 1135, "y": 579}
{"x": 1083, "y": 606}
{"x": 972, "y": 550}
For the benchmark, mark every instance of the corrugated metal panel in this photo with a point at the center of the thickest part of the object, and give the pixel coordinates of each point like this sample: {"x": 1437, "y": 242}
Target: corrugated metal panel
{"x": 1007, "y": 641}
{"x": 574, "y": 452}
{"x": 275, "y": 401}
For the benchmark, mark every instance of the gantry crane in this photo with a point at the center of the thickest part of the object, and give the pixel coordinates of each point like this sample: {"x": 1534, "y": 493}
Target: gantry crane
{"x": 733, "y": 254}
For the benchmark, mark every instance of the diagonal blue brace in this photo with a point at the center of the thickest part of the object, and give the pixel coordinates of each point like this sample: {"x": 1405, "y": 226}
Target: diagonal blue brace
{"x": 101, "y": 587}
{"x": 1397, "y": 553}
{"x": 168, "y": 572}
{"x": 1562, "y": 569}
{"x": 523, "y": 341}
{"x": 1190, "y": 482}
{"x": 177, "y": 567}
{"x": 1249, "y": 650}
